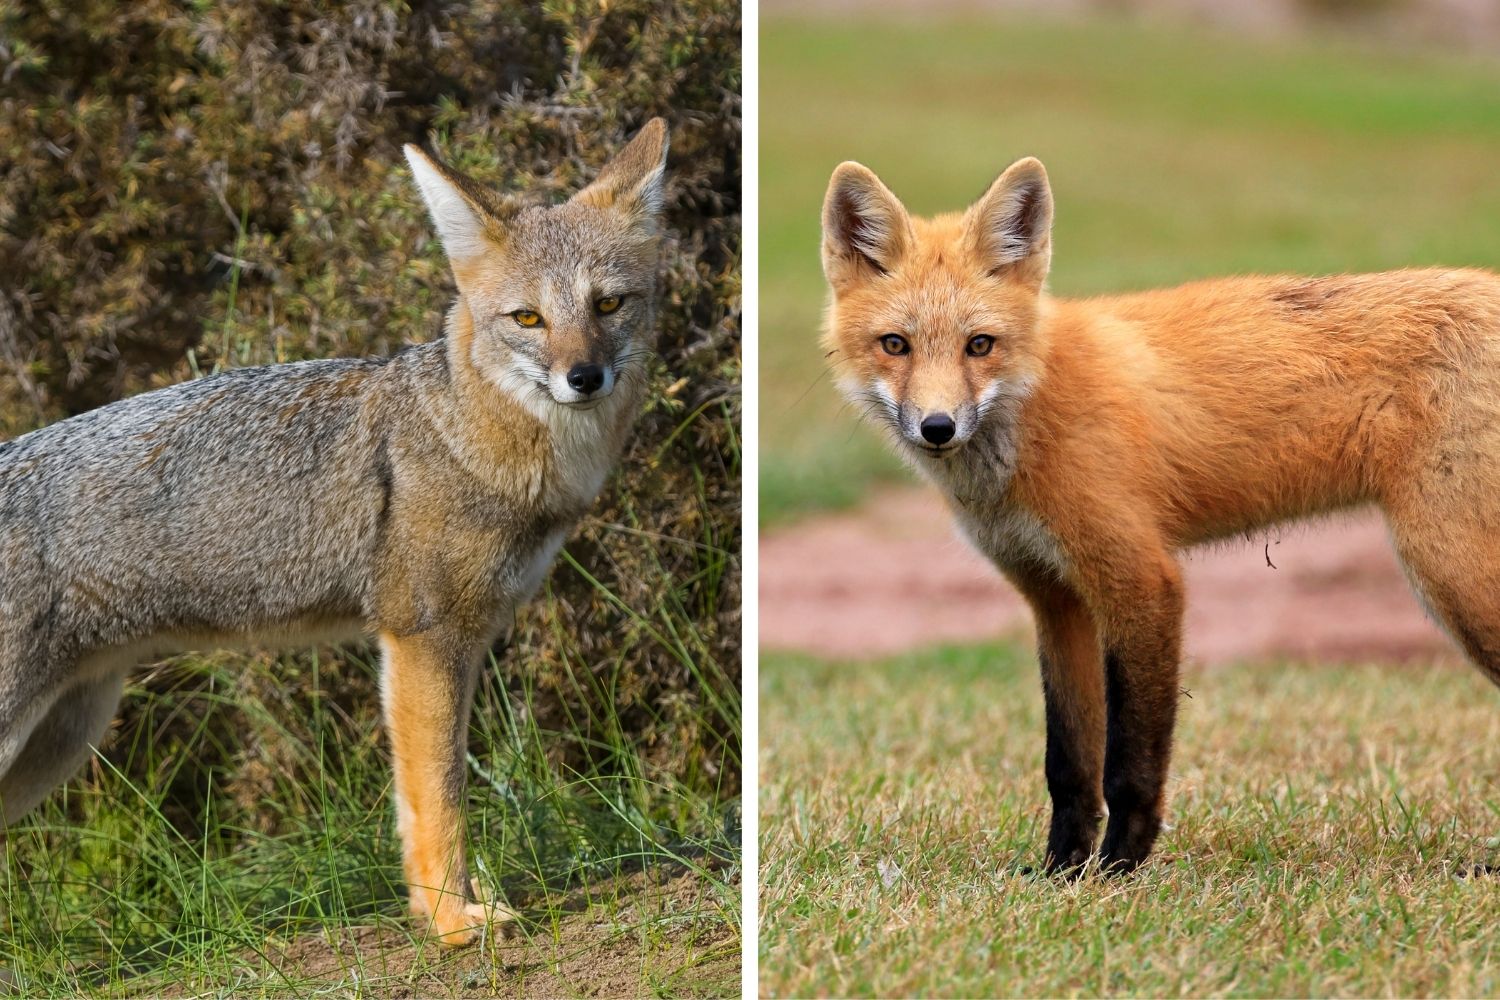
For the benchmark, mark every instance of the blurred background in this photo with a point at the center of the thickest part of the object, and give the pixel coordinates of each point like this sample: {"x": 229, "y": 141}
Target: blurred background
{"x": 901, "y": 747}
{"x": 1183, "y": 140}
{"x": 188, "y": 186}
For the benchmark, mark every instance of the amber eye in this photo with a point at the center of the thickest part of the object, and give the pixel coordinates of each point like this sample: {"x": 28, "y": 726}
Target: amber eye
{"x": 894, "y": 343}
{"x": 609, "y": 304}
{"x": 525, "y": 317}
{"x": 980, "y": 345}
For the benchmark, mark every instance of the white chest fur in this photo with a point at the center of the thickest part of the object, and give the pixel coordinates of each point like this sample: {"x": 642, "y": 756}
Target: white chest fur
{"x": 976, "y": 481}
{"x": 585, "y": 443}
{"x": 1010, "y": 536}
{"x": 584, "y": 450}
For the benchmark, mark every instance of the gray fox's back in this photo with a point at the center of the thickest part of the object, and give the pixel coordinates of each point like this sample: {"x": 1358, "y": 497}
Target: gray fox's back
{"x": 216, "y": 505}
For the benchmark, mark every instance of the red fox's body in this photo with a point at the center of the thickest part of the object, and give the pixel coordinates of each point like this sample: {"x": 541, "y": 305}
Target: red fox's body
{"x": 1080, "y": 444}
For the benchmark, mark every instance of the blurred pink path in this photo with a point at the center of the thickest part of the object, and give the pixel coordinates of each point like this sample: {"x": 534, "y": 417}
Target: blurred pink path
{"x": 894, "y": 576}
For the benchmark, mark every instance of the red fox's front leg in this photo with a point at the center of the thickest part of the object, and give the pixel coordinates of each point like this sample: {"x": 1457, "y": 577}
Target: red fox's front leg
{"x": 1073, "y": 684}
{"x": 1137, "y": 599}
{"x": 427, "y": 687}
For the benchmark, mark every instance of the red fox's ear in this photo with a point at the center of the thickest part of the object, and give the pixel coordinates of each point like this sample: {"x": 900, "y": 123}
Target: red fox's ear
{"x": 1011, "y": 226}
{"x": 864, "y": 224}
{"x": 470, "y": 218}
{"x": 635, "y": 180}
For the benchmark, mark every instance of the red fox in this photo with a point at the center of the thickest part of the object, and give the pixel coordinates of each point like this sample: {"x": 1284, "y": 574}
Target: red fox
{"x": 1081, "y": 444}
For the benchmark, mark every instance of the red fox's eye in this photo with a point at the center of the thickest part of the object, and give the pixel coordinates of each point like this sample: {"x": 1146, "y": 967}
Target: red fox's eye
{"x": 525, "y": 317}
{"x": 608, "y": 304}
{"x": 980, "y": 345}
{"x": 894, "y": 343}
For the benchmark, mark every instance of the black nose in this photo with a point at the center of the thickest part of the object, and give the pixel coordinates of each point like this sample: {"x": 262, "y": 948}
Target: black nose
{"x": 938, "y": 428}
{"x": 587, "y": 378}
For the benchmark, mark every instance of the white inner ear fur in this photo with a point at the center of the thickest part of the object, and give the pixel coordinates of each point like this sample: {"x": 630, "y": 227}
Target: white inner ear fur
{"x": 1016, "y": 221}
{"x": 459, "y": 228}
{"x": 862, "y": 221}
{"x": 650, "y": 191}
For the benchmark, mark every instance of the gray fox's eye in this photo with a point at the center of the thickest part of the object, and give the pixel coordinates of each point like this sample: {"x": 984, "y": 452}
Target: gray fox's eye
{"x": 979, "y": 345}
{"x": 609, "y": 303}
{"x": 894, "y": 343}
{"x": 525, "y": 317}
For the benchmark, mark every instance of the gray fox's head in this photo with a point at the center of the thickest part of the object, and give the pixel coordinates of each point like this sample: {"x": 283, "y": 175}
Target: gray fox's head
{"x": 560, "y": 296}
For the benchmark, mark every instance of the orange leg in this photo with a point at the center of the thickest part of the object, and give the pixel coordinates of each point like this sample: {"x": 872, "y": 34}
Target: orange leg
{"x": 1138, "y": 601}
{"x": 1073, "y": 685}
{"x": 428, "y": 684}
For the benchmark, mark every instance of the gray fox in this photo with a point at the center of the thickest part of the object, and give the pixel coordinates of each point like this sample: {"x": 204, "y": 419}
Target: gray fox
{"x": 417, "y": 498}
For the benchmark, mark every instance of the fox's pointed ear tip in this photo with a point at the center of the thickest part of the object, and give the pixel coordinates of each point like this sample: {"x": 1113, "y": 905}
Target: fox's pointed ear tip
{"x": 656, "y": 132}
{"x": 1028, "y": 165}
{"x": 850, "y": 170}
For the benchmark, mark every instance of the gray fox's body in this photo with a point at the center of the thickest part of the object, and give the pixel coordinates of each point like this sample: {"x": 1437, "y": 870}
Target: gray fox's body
{"x": 416, "y": 498}
{"x": 238, "y": 506}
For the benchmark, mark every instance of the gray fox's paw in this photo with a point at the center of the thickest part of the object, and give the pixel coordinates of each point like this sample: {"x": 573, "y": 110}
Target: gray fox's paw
{"x": 458, "y": 925}
{"x": 457, "y": 921}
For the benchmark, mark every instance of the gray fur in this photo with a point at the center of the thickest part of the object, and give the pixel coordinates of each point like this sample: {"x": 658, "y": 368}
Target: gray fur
{"x": 258, "y": 504}
{"x": 420, "y": 495}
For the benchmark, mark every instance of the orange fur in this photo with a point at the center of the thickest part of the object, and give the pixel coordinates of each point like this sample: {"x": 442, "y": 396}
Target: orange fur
{"x": 427, "y": 712}
{"x": 1097, "y": 438}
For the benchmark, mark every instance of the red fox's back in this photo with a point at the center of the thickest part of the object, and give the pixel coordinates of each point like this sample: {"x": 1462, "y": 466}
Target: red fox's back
{"x": 1247, "y": 400}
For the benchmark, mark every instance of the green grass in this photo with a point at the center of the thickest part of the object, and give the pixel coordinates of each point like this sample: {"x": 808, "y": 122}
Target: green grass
{"x": 1173, "y": 154}
{"x": 255, "y": 845}
{"x": 1318, "y": 816}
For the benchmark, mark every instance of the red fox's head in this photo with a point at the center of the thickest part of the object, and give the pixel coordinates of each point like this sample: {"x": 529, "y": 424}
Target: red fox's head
{"x": 933, "y": 323}
{"x": 561, "y": 297}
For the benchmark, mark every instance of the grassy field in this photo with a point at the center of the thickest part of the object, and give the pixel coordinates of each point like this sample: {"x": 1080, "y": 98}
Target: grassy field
{"x": 1319, "y": 821}
{"x": 626, "y": 880}
{"x": 1173, "y": 154}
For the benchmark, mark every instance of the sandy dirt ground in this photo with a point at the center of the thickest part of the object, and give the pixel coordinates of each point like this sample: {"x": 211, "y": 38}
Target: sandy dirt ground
{"x": 893, "y": 576}
{"x": 629, "y": 949}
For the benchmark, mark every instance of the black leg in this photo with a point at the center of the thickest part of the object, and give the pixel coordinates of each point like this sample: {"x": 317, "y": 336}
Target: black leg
{"x": 1074, "y": 784}
{"x": 1141, "y": 701}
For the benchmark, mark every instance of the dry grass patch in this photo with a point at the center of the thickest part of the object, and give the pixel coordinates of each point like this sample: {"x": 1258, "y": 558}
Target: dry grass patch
{"x": 1321, "y": 818}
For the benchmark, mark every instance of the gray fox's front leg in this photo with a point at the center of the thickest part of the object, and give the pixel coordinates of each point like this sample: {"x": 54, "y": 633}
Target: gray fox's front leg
{"x": 427, "y": 688}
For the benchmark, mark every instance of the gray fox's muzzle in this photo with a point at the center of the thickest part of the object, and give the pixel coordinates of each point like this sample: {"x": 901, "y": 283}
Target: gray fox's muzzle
{"x": 582, "y": 385}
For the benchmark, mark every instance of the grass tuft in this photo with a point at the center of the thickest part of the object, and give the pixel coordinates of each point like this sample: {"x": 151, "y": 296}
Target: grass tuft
{"x": 115, "y": 888}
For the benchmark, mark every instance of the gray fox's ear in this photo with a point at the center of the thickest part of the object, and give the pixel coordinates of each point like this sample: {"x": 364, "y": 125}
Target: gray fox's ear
{"x": 470, "y": 218}
{"x": 1010, "y": 227}
{"x": 865, "y": 226}
{"x": 635, "y": 180}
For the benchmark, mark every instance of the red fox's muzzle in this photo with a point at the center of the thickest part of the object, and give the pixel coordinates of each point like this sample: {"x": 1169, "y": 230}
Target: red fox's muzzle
{"x": 938, "y": 427}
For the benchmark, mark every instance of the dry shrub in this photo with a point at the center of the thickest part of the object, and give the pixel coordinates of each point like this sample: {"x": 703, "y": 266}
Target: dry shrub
{"x": 189, "y": 185}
